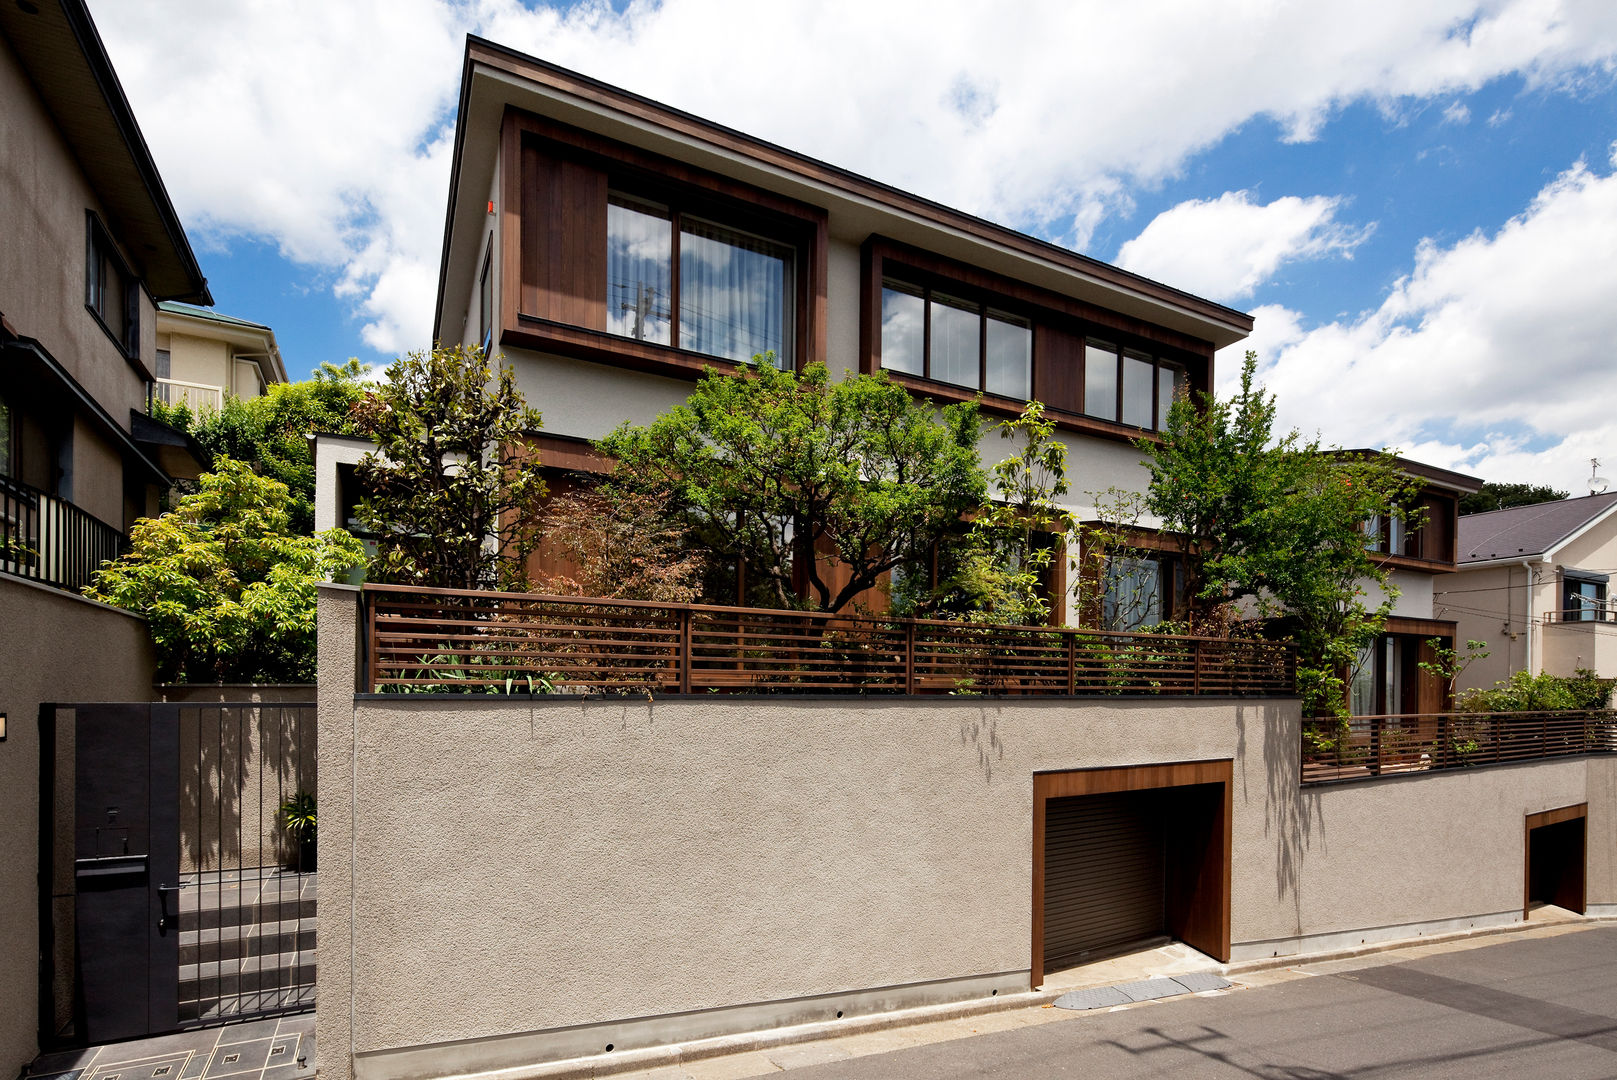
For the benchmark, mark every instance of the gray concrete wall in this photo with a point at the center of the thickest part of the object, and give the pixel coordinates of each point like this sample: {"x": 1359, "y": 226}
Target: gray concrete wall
{"x": 579, "y": 872}
{"x": 56, "y": 647}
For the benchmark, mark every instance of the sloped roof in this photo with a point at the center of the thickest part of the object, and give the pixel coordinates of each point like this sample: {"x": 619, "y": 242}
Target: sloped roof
{"x": 175, "y": 308}
{"x": 1525, "y": 531}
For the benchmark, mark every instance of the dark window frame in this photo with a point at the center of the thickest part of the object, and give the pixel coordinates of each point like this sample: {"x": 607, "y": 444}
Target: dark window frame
{"x": 679, "y": 203}
{"x": 986, "y": 302}
{"x": 1125, "y": 350}
{"x": 1591, "y": 606}
{"x": 99, "y": 252}
{"x": 485, "y": 298}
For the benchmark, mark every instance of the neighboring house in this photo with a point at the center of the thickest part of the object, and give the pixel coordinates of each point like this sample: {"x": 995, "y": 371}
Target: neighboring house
{"x": 202, "y": 357}
{"x": 1388, "y": 678}
{"x": 91, "y": 245}
{"x": 612, "y": 248}
{"x": 1533, "y": 583}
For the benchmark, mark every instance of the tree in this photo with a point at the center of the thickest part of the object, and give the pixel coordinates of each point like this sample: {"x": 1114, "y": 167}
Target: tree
{"x": 227, "y": 590}
{"x": 271, "y": 432}
{"x": 453, "y": 492}
{"x": 621, "y": 548}
{"x": 792, "y": 472}
{"x": 1278, "y": 524}
{"x": 1504, "y": 496}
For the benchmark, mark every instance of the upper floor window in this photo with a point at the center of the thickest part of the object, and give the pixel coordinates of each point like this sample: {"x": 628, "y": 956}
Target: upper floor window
{"x": 485, "y": 298}
{"x": 1128, "y": 386}
{"x": 1388, "y": 534}
{"x": 111, "y": 292}
{"x": 676, "y": 279}
{"x": 1583, "y": 598}
{"x": 953, "y": 340}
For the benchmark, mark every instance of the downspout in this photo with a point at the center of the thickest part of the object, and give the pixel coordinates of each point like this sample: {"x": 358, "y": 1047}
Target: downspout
{"x": 1527, "y": 567}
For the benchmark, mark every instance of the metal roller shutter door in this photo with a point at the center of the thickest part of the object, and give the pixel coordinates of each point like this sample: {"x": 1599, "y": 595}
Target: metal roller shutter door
{"x": 1103, "y": 874}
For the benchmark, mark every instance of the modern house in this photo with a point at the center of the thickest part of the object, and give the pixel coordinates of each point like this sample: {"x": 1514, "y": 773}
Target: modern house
{"x": 203, "y": 357}
{"x": 91, "y": 247}
{"x": 660, "y": 822}
{"x": 1532, "y": 583}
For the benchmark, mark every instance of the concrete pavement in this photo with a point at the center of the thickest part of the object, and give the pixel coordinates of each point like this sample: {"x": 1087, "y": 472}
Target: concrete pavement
{"x": 1541, "y": 1002}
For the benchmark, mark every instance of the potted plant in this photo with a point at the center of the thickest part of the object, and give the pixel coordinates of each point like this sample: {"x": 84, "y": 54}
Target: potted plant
{"x": 298, "y": 822}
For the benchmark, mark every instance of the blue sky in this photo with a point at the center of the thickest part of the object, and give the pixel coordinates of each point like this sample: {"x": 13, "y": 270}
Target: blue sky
{"x": 1417, "y": 202}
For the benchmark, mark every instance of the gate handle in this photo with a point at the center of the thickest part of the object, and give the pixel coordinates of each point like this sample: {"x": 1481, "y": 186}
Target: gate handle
{"x": 162, "y": 900}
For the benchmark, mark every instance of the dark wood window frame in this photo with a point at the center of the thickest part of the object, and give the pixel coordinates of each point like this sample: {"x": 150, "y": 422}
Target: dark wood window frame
{"x": 485, "y": 297}
{"x": 985, "y": 305}
{"x": 882, "y": 258}
{"x": 1418, "y": 543}
{"x": 1149, "y": 356}
{"x": 640, "y": 174}
{"x": 99, "y": 252}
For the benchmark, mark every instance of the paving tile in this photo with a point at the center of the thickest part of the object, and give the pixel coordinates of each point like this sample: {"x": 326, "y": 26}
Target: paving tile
{"x": 1099, "y": 997}
{"x": 237, "y": 1059}
{"x": 62, "y": 1061}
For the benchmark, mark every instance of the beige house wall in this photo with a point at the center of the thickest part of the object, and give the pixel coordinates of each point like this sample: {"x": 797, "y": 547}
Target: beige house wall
{"x": 199, "y": 360}
{"x": 41, "y": 627}
{"x": 1488, "y": 604}
{"x": 757, "y": 862}
{"x": 43, "y": 199}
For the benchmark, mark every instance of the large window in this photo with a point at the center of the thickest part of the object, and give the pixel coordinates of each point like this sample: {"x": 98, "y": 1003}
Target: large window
{"x": 1382, "y": 682}
{"x": 110, "y": 291}
{"x": 1127, "y": 386}
{"x": 675, "y": 279}
{"x": 1583, "y": 597}
{"x": 954, "y": 340}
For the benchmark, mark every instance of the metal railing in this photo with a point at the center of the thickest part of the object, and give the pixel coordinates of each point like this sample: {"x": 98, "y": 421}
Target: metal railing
{"x": 1365, "y": 747}
{"x": 443, "y": 641}
{"x": 46, "y": 539}
{"x": 197, "y": 395}
{"x": 1596, "y": 611}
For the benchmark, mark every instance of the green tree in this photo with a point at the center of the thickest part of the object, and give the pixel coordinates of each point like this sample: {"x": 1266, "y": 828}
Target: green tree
{"x": 1504, "y": 496}
{"x": 453, "y": 491}
{"x": 1278, "y": 524}
{"x": 227, "y": 591}
{"x": 793, "y": 472}
{"x": 271, "y": 432}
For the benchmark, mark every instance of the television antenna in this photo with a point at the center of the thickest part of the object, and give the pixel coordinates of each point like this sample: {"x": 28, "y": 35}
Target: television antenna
{"x": 1597, "y": 483}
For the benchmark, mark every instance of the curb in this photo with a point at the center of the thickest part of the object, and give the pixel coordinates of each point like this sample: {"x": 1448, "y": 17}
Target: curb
{"x": 702, "y": 1049}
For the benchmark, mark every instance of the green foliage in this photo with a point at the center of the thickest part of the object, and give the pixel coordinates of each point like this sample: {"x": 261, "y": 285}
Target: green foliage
{"x": 1505, "y": 496}
{"x": 621, "y": 548}
{"x": 451, "y": 472}
{"x": 298, "y": 817}
{"x": 792, "y": 471}
{"x": 1542, "y": 692}
{"x": 227, "y": 591}
{"x": 271, "y": 432}
{"x": 1447, "y": 665}
{"x": 1277, "y": 524}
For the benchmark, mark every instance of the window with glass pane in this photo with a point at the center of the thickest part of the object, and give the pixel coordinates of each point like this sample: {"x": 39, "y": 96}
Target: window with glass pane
{"x": 956, "y": 341}
{"x": 903, "y": 328}
{"x": 1139, "y": 391}
{"x": 1362, "y": 683}
{"x": 1010, "y": 356}
{"x": 1133, "y": 594}
{"x": 639, "y": 272}
{"x": 1100, "y": 380}
{"x": 1170, "y": 384}
{"x": 733, "y": 293}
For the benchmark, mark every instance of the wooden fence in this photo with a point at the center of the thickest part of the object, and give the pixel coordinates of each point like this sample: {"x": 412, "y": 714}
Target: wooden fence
{"x": 1365, "y": 747}
{"x": 439, "y": 641}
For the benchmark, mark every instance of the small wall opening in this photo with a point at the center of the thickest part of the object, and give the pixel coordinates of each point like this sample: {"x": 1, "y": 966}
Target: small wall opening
{"x": 1556, "y": 856}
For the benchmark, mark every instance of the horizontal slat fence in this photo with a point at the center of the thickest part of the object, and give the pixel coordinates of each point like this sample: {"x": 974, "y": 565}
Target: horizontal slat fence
{"x": 453, "y": 642}
{"x": 1365, "y": 747}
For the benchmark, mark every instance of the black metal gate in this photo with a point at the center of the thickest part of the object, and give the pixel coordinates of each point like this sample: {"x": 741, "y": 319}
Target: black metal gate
{"x": 175, "y": 895}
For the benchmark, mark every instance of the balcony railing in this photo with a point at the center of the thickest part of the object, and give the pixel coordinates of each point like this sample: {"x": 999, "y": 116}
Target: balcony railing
{"x": 45, "y": 539}
{"x": 454, "y": 642}
{"x": 1598, "y": 611}
{"x": 1366, "y": 747}
{"x": 198, "y": 396}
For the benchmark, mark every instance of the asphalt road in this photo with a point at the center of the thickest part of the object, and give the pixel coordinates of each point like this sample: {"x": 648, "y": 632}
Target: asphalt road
{"x": 1524, "y": 1009}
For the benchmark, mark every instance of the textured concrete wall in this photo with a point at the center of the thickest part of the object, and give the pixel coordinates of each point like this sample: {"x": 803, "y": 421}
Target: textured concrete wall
{"x": 56, "y": 647}
{"x": 551, "y": 863}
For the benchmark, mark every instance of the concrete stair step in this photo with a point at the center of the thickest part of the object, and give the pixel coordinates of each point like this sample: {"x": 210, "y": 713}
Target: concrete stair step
{"x": 268, "y": 910}
{"x": 247, "y": 940}
{"x": 210, "y": 982}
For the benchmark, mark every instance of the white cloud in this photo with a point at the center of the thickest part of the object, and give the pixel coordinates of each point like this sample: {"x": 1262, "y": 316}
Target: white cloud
{"x": 1224, "y": 248}
{"x": 1457, "y": 113}
{"x": 1494, "y": 355}
{"x": 320, "y": 126}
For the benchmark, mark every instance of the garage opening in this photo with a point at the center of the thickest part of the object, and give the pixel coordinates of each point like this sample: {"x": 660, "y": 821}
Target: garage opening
{"x": 1556, "y": 854}
{"x": 1130, "y": 857}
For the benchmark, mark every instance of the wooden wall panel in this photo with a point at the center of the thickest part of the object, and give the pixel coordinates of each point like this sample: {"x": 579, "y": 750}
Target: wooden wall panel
{"x": 563, "y": 238}
{"x": 1058, "y": 367}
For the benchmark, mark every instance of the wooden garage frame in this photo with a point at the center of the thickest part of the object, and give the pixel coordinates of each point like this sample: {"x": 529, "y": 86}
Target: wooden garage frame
{"x": 1198, "y": 888}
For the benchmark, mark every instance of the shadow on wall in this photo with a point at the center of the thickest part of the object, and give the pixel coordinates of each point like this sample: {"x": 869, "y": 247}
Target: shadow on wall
{"x": 238, "y": 764}
{"x": 1291, "y": 815}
